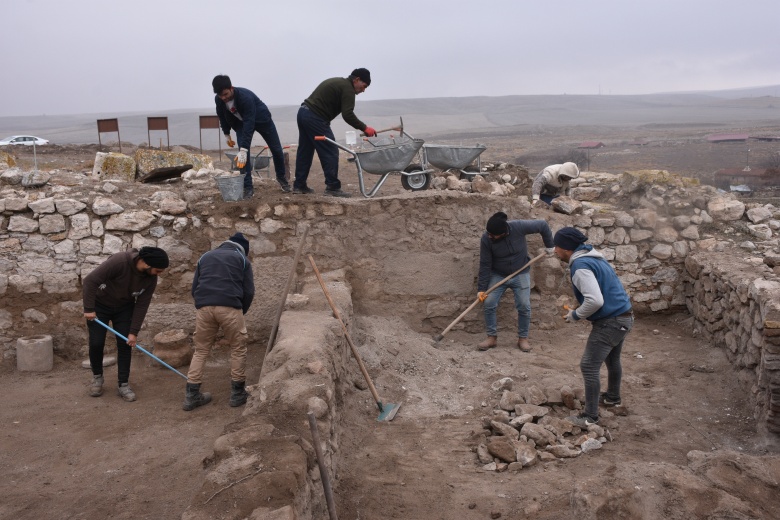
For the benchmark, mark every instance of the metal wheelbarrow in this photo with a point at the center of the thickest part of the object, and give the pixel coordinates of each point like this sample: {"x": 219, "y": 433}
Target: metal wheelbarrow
{"x": 446, "y": 157}
{"x": 386, "y": 158}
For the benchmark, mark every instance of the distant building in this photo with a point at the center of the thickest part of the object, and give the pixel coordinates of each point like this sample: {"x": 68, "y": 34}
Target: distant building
{"x": 765, "y": 137}
{"x": 753, "y": 177}
{"x": 727, "y": 138}
{"x": 591, "y": 144}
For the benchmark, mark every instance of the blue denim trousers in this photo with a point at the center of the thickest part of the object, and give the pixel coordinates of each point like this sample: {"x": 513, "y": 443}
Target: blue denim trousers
{"x": 604, "y": 345}
{"x": 269, "y": 134}
{"x": 311, "y": 125}
{"x": 521, "y": 287}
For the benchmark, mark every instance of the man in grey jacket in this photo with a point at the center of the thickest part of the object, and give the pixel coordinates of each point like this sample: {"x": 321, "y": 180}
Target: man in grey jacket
{"x": 223, "y": 288}
{"x": 553, "y": 182}
{"x": 502, "y": 251}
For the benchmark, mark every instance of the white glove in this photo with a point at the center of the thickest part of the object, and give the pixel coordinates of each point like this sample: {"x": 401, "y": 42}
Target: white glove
{"x": 550, "y": 251}
{"x": 534, "y": 203}
{"x": 570, "y": 317}
{"x": 230, "y": 142}
{"x": 241, "y": 158}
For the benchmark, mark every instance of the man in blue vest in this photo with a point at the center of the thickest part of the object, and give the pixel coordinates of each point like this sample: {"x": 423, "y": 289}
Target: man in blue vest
{"x": 241, "y": 110}
{"x": 604, "y": 302}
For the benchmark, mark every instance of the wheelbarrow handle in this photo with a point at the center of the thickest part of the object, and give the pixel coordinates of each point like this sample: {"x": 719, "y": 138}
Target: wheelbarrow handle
{"x": 139, "y": 347}
{"x": 319, "y": 137}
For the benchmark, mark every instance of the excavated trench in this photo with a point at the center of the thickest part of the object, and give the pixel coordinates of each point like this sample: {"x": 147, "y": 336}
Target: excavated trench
{"x": 693, "y": 440}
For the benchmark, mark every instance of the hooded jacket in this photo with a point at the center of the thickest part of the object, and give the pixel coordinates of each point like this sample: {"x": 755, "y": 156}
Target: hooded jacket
{"x": 549, "y": 182}
{"x": 596, "y": 286}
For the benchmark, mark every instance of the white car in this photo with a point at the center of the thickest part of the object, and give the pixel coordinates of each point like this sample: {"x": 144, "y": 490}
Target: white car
{"x": 28, "y": 140}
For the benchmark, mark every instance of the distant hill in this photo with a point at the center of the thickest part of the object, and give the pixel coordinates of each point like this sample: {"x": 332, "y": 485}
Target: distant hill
{"x": 431, "y": 117}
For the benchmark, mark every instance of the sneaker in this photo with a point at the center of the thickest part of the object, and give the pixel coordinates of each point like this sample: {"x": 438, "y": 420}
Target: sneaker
{"x": 522, "y": 344}
{"x": 126, "y": 393}
{"x": 582, "y": 420}
{"x": 608, "y": 401}
{"x": 285, "y": 187}
{"x": 338, "y": 193}
{"x": 96, "y": 388}
{"x": 489, "y": 343}
{"x": 302, "y": 191}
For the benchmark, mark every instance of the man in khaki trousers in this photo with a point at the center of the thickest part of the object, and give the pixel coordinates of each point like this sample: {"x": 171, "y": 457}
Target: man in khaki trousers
{"x": 223, "y": 288}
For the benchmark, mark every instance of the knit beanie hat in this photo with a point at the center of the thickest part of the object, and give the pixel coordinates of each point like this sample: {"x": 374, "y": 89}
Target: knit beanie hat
{"x": 363, "y": 74}
{"x": 239, "y": 239}
{"x": 569, "y": 238}
{"x": 570, "y": 170}
{"x": 496, "y": 225}
{"x": 154, "y": 257}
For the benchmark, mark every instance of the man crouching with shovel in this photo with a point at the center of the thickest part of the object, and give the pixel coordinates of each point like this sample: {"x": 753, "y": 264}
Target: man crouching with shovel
{"x": 503, "y": 250}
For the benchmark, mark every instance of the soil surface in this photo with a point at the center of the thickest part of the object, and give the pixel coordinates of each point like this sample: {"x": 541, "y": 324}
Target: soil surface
{"x": 67, "y": 455}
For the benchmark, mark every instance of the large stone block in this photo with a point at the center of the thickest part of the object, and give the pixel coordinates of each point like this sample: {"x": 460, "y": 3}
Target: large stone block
{"x": 113, "y": 165}
{"x": 150, "y": 160}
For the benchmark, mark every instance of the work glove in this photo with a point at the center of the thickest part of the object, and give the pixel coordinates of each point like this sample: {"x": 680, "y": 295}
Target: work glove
{"x": 241, "y": 158}
{"x": 482, "y": 296}
{"x": 570, "y": 317}
{"x": 370, "y": 132}
{"x": 230, "y": 142}
{"x": 550, "y": 251}
{"x": 534, "y": 203}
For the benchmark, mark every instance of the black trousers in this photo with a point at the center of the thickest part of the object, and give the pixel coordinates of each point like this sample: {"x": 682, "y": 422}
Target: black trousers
{"x": 119, "y": 318}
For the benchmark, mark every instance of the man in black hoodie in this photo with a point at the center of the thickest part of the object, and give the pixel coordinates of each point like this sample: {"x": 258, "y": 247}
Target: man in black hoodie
{"x": 223, "y": 289}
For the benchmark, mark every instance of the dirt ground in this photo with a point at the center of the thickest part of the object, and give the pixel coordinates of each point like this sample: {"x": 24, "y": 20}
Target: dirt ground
{"x": 66, "y": 455}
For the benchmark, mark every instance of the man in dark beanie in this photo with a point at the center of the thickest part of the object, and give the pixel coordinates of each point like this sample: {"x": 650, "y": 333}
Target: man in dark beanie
{"x": 604, "y": 302}
{"x": 118, "y": 292}
{"x": 332, "y": 97}
{"x": 223, "y": 289}
{"x": 241, "y": 110}
{"x": 502, "y": 251}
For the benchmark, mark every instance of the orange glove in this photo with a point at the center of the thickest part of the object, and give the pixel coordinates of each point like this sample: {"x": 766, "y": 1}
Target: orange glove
{"x": 230, "y": 142}
{"x": 370, "y": 132}
{"x": 482, "y": 296}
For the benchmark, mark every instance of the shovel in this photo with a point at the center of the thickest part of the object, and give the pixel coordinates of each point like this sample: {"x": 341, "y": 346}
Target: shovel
{"x": 139, "y": 347}
{"x": 387, "y": 411}
{"x": 439, "y": 337}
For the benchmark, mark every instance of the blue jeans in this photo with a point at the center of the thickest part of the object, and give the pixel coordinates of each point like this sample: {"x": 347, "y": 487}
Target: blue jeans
{"x": 269, "y": 134}
{"x": 605, "y": 343}
{"x": 309, "y": 126}
{"x": 521, "y": 287}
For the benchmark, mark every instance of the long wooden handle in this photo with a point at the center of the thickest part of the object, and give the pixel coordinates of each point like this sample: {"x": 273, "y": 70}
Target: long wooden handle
{"x": 346, "y": 334}
{"x": 290, "y": 280}
{"x": 496, "y": 286}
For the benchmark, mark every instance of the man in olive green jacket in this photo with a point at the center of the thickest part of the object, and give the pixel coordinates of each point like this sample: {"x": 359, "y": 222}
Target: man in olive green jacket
{"x": 332, "y": 97}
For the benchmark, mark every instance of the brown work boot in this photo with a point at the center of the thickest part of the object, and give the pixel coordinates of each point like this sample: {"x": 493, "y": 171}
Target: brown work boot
{"x": 522, "y": 344}
{"x": 489, "y": 343}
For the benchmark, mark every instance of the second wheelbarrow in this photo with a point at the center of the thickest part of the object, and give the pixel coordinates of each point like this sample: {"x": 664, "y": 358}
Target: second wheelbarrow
{"x": 386, "y": 160}
{"x": 446, "y": 157}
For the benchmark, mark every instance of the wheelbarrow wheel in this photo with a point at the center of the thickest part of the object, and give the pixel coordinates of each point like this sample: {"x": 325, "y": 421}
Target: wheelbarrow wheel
{"x": 417, "y": 182}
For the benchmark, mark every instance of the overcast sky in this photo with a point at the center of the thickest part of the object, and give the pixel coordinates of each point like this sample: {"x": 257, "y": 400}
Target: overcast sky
{"x": 103, "y": 56}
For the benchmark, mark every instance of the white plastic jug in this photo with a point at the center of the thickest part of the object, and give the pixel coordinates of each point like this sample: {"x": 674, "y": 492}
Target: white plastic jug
{"x": 351, "y": 138}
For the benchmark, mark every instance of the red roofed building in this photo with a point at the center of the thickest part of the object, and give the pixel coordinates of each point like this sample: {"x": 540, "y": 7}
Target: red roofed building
{"x": 591, "y": 144}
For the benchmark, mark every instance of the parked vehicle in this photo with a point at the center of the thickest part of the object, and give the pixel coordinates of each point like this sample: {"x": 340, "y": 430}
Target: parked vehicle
{"x": 27, "y": 140}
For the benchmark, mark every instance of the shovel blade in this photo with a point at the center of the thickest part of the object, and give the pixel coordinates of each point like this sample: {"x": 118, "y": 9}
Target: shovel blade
{"x": 388, "y": 412}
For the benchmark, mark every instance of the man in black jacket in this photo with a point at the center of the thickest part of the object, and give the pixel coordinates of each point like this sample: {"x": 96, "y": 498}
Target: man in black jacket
{"x": 240, "y": 109}
{"x": 502, "y": 251}
{"x": 119, "y": 292}
{"x": 223, "y": 289}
